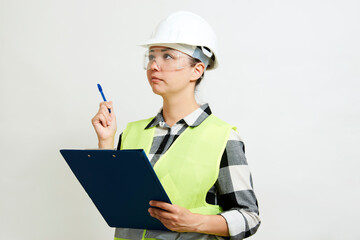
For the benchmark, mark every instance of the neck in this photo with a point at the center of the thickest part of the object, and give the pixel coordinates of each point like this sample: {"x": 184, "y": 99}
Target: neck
{"x": 178, "y": 107}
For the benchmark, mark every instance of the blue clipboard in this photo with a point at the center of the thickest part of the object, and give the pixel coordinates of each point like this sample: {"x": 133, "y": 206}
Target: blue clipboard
{"x": 120, "y": 183}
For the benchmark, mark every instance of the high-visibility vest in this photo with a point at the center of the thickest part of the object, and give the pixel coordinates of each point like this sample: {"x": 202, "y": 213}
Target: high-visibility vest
{"x": 190, "y": 167}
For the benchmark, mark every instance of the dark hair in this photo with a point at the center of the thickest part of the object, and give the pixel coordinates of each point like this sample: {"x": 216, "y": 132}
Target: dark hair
{"x": 193, "y": 62}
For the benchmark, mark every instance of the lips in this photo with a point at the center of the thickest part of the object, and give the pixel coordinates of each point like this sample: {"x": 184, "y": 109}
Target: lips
{"x": 155, "y": 79}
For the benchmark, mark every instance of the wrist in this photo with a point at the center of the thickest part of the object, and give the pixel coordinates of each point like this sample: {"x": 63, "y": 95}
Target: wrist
{"x": 213, "y": 224}
{"x": 200, "y": 223}
{"x": 106, "y": 144}
{"x": 203, "y": 219}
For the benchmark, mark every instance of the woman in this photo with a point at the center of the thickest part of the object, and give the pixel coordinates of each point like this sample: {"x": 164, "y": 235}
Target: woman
{"x": 198, "y": 158}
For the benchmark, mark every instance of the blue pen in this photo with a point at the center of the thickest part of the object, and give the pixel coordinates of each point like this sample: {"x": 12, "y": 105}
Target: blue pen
{"x": 102, "y": 94}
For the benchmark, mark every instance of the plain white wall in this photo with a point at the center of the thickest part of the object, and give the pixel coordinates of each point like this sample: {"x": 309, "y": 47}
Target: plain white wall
{"x": 289, "y": 79}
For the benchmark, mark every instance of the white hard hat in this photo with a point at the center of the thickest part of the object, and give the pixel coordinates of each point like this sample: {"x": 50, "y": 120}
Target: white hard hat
{"x": 186, "y": 29}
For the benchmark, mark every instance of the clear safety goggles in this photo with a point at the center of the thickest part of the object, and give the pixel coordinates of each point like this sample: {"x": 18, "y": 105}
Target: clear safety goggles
{"x": 166, "y": 59}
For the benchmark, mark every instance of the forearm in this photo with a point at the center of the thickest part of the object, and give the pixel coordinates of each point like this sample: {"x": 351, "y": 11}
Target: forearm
{"x": 213, "y": 225}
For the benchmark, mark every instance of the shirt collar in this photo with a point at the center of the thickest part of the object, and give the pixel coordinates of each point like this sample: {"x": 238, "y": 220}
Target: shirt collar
{"x": 194, "y": 119}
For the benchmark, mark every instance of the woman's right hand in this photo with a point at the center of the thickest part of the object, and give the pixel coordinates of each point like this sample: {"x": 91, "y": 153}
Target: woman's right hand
{"x": 105, "y": 125}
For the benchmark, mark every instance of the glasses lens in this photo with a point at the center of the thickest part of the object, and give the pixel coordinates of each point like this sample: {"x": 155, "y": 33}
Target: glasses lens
{"x": 164, "y": 59}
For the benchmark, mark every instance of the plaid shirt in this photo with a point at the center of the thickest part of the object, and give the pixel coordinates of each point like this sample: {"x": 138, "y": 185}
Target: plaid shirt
{"x": 233, "y": 190}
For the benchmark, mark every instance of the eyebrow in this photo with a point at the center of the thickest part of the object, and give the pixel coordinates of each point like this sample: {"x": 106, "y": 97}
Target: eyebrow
{"x": 162, "y": 50}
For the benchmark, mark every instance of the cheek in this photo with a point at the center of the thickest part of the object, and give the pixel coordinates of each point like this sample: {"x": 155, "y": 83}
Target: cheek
{"x": 182, "y": 79}
{"x": 148, "y": 75}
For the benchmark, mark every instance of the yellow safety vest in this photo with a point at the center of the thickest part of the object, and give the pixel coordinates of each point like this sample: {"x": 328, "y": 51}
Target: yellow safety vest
{"x": 190, "y": 167}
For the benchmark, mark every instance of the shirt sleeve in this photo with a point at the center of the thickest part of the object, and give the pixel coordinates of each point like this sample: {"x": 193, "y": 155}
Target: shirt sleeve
{"x": 235, "y": 191}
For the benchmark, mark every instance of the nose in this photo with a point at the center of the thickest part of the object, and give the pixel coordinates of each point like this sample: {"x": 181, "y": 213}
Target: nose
{"x": 153, "y": 66}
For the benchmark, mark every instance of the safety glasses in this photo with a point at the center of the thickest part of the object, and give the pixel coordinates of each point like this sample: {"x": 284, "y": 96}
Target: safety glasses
{"x": 165, "y": 59}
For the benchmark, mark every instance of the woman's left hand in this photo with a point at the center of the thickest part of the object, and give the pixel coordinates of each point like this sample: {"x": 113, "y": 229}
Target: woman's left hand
{"x": 174, "y": 217}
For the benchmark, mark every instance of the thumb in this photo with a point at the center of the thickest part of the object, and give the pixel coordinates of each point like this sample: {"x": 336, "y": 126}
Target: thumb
{"x": 111, "y": 107}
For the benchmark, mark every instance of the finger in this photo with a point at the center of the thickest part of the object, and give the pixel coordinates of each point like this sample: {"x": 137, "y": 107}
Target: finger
{"x": 102, "y": 120}
{"x": 165, "y": 222}
{"x": 168, "y": 223}
{"x": 108, "y": 107}
{"x": 161, "y": 214}
{"x": 97, "y": 119}
{"x": 105, "y": 105}
{"x": 109, "y": 104}
{"x": 105, "y": 111}
{"x": 163, "y": 205}
{"x": 111, "y": 107}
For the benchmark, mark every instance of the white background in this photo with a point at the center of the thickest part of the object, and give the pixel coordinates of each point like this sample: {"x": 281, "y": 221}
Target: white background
{"x": 288, "y": 79}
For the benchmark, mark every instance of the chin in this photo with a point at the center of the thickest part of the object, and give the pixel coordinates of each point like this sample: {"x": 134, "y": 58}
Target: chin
{"x": 157, "y": 91}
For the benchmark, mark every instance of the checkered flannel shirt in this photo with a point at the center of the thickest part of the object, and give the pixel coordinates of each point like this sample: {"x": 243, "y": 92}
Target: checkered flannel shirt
{"x": 233, "y": 190}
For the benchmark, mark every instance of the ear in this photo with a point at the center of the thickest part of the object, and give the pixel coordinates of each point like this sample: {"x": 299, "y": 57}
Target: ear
{"x": 198, "y": 70}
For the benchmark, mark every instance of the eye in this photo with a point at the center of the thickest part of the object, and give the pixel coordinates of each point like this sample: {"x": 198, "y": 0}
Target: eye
{"x": 151, "y": 57}
{"x": 167, "y": 56}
